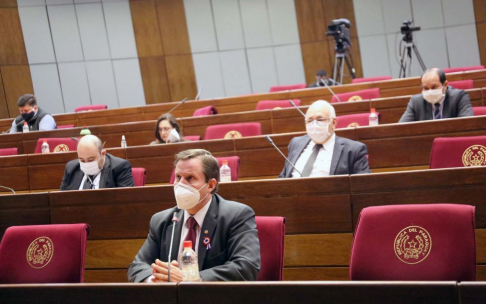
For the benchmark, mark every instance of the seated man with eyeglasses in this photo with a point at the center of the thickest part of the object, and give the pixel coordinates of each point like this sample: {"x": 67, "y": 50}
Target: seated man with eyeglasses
{"x": 320, "y": 152}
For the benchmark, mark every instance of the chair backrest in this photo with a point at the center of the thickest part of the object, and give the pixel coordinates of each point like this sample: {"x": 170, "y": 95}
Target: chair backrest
{"x": 479, "y": 111}
{"x": 354, "y": 120}
{"x": 236, "y": 130}
{"x": 289, "y": 87}
{"x": 434, "y": 242}
{"x": 9, "y": 151}
{"x": 275, "y": 104}
{"x": 451, "y": 152}
{"x": 462, "y": 84}
{"x": 90, "y": 108}
{"x": 463, "y": 69}
{"x": 62, "y": 144}
{"x": 66, "y": 126}
{"x": 139, "y": 176}
{"x": 209, "y": 110}
{"x": 271, "y": 233}
{"x": 369, "y": 79}
{"x": 43, "y": 254}
{"x": 192, "y": 137}
{"x": 233, "y": 163}
{"x": 357, "y": 95}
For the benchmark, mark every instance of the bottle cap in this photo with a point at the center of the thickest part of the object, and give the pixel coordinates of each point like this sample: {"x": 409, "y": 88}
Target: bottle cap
{"x": 123, "y": 136}
{"x": 25, "y": 123}
{"x": 45, "y": 140}
{"x": 373, "y": 110}
{"x": 187, "y": 244}
{"x": 225, "y": 162}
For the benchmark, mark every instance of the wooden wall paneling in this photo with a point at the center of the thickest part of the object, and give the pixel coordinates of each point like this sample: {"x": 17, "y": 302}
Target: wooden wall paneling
{"x": 155, "y": 79}
{"x": 316, "y": 55}
{"x": 146, "y": 28}
{"x": 173, "y": 27}
{"x": 17, "y": 82}
{"x": 3, "y": 106}
{"x": 14, "y": 173}
{"x": 480, "y": 17}
{"x": 8, "y": 3}
{"x": 310, "y": 20}
{"x": 316, "y": 274}
{"x": 481, "y": 246}
{"x": 105, "y": 275}
{"x": 12, "y": 46}
{"x": 181, "y": 75}
{"x": 112, "y": 254}
{"x": 113, "y": 116}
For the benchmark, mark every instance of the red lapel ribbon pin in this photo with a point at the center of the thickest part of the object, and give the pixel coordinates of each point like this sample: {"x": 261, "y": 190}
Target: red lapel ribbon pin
{"x": 207, "y": 242}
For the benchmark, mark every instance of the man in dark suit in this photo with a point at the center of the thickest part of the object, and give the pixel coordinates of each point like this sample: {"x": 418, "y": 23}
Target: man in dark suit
{"x": 223, "y": 233}
{"x": 437, "y": 100}
{"x": 95, "y": 169}
{"x": 30, "y": 113}
{"x": 320, "y": 152}
{"x": 321, "y": 77}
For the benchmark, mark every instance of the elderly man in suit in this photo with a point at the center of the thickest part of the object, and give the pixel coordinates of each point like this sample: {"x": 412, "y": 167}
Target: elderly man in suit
{"x": 437, "y": 100}
{"x": 95, "y": 169}
{"x": 223, "y": 233}
{"x": 320, "y": 152}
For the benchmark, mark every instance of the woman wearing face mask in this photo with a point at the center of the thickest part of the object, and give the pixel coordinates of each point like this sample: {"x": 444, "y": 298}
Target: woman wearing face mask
{"x": 438, "y": 100}
{"x": 167, "y": 130}
{"x": 320, "y": 152}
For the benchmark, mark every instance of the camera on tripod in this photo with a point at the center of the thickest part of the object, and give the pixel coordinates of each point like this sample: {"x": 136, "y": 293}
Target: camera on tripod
{"x": 408, "y": 28}
{"x": 339, "y": 28}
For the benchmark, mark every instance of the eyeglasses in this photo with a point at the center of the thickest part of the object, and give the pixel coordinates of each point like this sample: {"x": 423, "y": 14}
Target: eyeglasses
{"x": 167, "y": 129}
{"x": 319, "y": 121}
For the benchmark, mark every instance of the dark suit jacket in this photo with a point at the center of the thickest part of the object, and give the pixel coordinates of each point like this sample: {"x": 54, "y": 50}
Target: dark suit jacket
{"x": 348, "y": 157}
{"x": 117, "y": 172}
{"x": 456, "y": 104}
{"x": 235, "y": 249}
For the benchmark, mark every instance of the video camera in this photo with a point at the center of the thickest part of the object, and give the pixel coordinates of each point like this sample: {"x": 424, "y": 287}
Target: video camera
{"x": 408, "y": 28}
{"x": 339, "y": 28}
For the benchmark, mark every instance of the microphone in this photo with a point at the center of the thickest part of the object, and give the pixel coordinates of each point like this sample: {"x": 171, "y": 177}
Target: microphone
{"x": 333, "y": 94}
{"x": 295, "y": 106}
{"x": 17, "y": 125}
{"x": 198, "y": 94}
{"x": 271, "y": 141}
{"x": 74, "y": 138}
{"x": 8, "y": 189}
{"x": 177, "y": 105}
{"x": 174, "y": 222}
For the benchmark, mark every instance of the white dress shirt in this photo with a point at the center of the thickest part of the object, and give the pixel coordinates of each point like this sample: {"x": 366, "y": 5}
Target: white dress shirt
{"x": 96, "y": 181}
{"x": 322, "y": 165}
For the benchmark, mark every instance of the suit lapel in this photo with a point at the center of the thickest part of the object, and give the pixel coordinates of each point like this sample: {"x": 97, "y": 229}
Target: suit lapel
{"x": 336, "y": 154}
{"x": 77, "y": 179}
{"x": 104, "y": 173}
{"x": 177, "y": 236}
{"x": 301, "y": 144}
{"x": 446, "y": 113}
{"x": 209, "y": 225}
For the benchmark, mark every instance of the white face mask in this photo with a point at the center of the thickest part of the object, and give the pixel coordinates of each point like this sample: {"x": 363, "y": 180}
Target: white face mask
{"x": 319, "y": 132}
{"x": 187, "y": 197}
{"x": 433, "y": 96}
{"x": 90, "y": 168}
{"x": 173, "y": 136}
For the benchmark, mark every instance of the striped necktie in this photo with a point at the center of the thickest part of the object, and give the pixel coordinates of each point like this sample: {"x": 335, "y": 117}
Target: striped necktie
{"x": 437, "y": 112}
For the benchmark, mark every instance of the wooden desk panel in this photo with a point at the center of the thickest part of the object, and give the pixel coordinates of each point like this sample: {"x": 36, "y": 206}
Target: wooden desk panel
{"x": 472, "y": 292}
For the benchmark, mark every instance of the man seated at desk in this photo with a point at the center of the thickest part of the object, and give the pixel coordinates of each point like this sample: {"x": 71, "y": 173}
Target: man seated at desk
{"x": 232, "y": 249}
{"x": 320, "y": 152}
{"x": 36, "y": 118}
{"x": 95, "y": 169}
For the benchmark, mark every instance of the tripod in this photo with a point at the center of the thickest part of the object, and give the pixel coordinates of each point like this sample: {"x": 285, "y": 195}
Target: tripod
{"x": 342, "y": 55}
{"x": 406, "y": 55}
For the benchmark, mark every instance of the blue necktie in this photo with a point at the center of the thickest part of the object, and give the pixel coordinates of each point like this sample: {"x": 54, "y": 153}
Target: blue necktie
{"x": 437, "y": 112}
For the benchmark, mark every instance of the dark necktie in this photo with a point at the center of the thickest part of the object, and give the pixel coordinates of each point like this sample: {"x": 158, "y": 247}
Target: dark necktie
{"x": 89, "y": 182}
{"x": 192, "y": 233}
{"x": 310, "y": 162}
{"x": 437, "y": 113}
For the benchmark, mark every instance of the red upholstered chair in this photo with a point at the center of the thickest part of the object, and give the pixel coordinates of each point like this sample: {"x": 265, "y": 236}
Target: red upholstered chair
{"x": 462, "y": 84}
{"x": 209, "y": 110}
{"x": 358, "y": 95}
{"x": 451, "y": 152}
{"x": 434, "y": 242}
{"x": 479, "y": 111}
{"x": 271, "y": 233}
{"x": 63, "y": 144}
{"x": 369, "y": 79}
{"x": 43, "y": 254}
{"x": 354, "y": 120}
{"x": 275, "y": 104}
{"x": 281, "y": 88}
{"x": 139, "y": 176}
{"x": 192, "y": 137}
{"x": 233, "y": 163}
{"x": 236, "y": 130}
{"x": 463, "y": 69}
{"x": 90, "y": 108}
{"x": 65, "y": 127}
{"x": 9, "y": 151}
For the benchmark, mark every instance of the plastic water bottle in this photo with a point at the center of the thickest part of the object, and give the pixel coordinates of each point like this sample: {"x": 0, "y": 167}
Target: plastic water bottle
{"x": 188, "y": 262}
{"x": 123, "y": 142}
{"x": 25, "y": 128}
{"x": 45, "y": 147}
{"x": 225, "y": 172}
{"x": 373, "y": 119}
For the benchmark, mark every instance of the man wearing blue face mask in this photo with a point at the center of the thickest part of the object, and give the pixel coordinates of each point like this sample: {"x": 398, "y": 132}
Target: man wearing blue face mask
{"x": 437, "y": 100}
{"x": 96, "y": 169}
{"x": 36, "y": 118}
{"x": 223, "y": 233}
{"x": 320, "y": 152}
